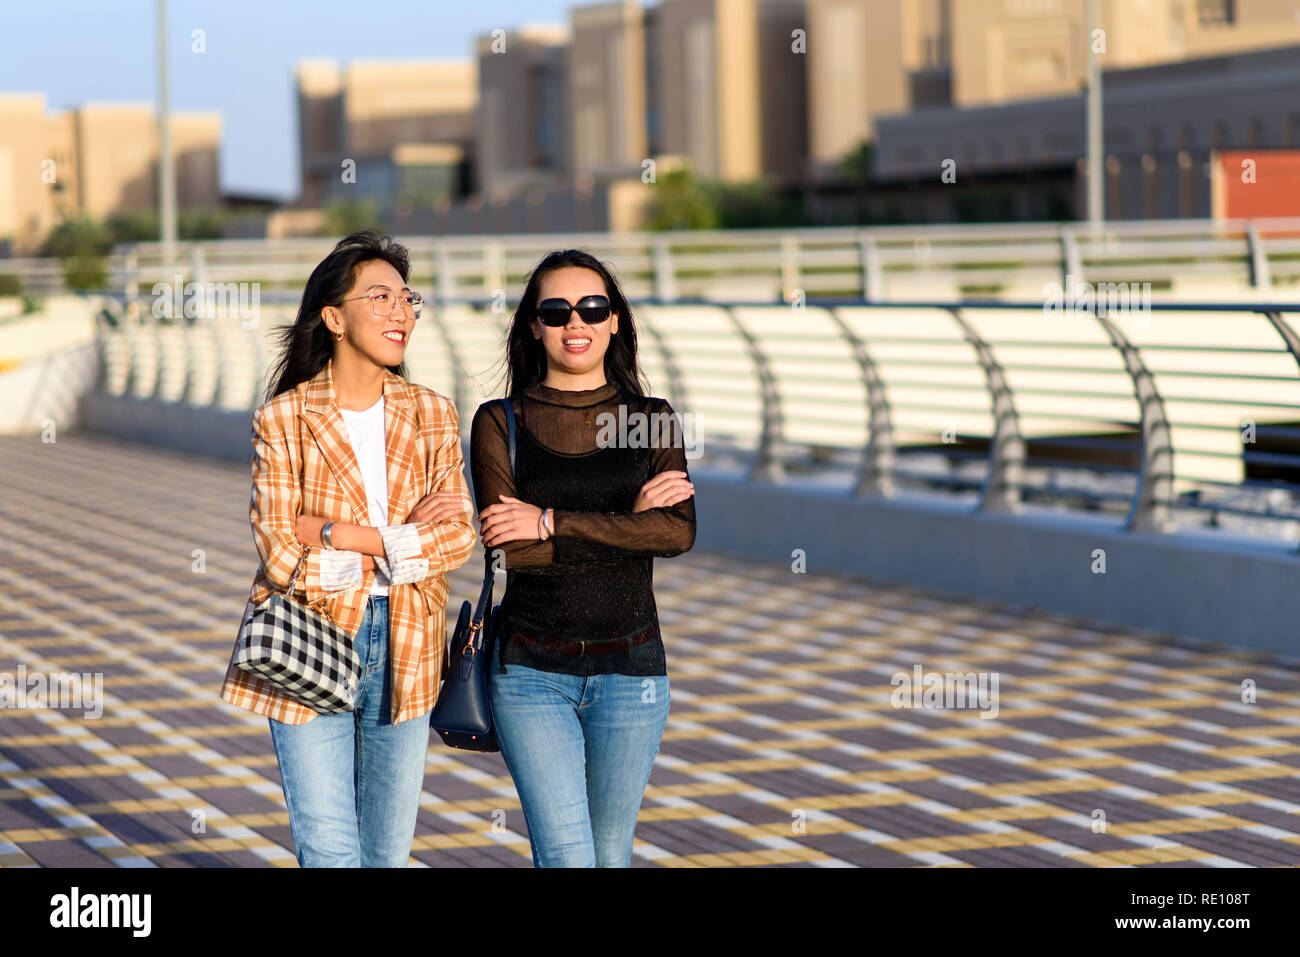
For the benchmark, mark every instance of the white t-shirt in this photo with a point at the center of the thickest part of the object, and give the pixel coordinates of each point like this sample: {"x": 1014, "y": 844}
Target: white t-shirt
{"x": 366, "y": 431}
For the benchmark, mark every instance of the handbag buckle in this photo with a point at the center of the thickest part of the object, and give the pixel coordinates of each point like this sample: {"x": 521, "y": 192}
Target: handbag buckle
{"x": 322, "y": 605}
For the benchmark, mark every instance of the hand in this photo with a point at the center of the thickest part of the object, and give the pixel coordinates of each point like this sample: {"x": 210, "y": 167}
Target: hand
{"x": 307, "y": 528}
{"x": 440, "y": 506}
{"x": 666, "y": 488}
{"x": 511, "y": 521}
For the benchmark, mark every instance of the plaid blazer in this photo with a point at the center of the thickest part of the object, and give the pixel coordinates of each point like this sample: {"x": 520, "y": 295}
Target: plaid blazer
{"x": 303, "y": 463}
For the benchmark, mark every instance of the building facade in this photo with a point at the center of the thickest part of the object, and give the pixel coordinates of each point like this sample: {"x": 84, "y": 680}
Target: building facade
{"x": 387, "y": 131}
{"x": 874, "y": 58}
{"x": 97, "y": 160}
{"x": 521, "y": 125}
{"x": 1163, "y": 127}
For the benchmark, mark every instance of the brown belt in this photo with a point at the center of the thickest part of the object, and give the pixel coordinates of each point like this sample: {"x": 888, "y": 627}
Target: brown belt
{"x": 580, "y": 648}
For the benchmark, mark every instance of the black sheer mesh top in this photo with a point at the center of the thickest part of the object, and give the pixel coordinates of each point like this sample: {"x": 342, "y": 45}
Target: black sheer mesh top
{"x": 581, "y": 601}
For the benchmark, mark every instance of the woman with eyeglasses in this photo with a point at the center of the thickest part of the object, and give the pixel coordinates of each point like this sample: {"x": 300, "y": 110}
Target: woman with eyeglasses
{"x": 358, "y": 486}
{"x": 599, "y": 489}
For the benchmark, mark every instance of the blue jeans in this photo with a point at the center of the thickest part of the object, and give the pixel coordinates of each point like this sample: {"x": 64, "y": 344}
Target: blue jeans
{"x": 352, "y": 781}
{"x": 580, "y": 750}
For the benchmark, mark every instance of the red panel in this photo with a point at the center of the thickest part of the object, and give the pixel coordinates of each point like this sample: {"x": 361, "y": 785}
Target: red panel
{"x": 1275, "y": 191}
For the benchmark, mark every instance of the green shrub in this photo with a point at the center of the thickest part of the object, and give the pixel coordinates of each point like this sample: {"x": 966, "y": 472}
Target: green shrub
{"x": 77, "y": 237}
{"x": 343, "y": 218}
{"x": 85, "y": 272}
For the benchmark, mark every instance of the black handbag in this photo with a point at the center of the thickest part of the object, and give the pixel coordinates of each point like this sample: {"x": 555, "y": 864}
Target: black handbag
{"x": 462, "y": 715}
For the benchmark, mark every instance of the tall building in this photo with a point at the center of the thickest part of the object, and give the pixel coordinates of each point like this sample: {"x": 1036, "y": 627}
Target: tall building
{"x": 522, "y": 127}
{"x": 607, "y": 96}
{"x": 96, "y": 160}
{"x": 731, "y": 93}
{"x": 1026, "y": 49}
{"x": 861, "y": 56}
{"x": 388, "y": 131}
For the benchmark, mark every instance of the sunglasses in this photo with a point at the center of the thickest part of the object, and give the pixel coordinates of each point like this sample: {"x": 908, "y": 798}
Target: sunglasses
{"x": 590, "y": 309}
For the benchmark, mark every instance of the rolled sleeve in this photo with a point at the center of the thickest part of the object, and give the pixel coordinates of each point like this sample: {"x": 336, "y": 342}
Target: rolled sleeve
{"x": 340, "y": 570}
{"x": 404, "y": 554}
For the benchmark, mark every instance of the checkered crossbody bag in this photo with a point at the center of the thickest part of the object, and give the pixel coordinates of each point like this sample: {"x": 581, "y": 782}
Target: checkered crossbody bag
{"x": 304, "y": 655}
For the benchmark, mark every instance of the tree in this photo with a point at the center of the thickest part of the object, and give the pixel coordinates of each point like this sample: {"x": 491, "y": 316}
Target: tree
{"x": 77, "y": 236}
{"x": 859, "y": 162}
{"x": 81, "y": 244}
{"x": 682, "y": 203}
{"x": 343, "y": 217}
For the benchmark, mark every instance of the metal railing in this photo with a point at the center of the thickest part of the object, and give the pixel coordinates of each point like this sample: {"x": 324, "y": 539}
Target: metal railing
{"x": 1178, "y": 415}
{"x": 875, "y": 263}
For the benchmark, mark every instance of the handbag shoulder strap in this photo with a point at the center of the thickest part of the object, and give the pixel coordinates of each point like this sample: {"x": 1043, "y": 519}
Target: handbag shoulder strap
{"x": 510, "y": 431}
{"x": 488, "y": 576}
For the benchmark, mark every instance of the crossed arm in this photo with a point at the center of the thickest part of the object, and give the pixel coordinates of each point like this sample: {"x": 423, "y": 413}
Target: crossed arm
{"x": 661, "y": 522}
{"x": 437, "y": 536}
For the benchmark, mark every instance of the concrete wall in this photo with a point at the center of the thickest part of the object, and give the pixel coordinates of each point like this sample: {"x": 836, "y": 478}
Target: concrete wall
{"x": 1234, "y": 593}
{"x": 44, "y": 392}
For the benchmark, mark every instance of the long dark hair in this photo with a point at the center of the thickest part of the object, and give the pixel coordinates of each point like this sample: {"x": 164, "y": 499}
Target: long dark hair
{"x": 307, "y": 344}
{"x": 526, "y": 356}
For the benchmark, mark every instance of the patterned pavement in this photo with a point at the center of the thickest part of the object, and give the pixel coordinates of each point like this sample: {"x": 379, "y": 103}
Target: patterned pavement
{"x": 1111, "y": 746}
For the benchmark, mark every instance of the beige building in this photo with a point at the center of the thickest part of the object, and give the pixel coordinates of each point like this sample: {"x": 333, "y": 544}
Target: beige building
{"x": 96, "y": 160}
{"x": 521, "y": 130}
{"x": 407, "y": 128}
{"x": 871, "y": 58}
{"x": 607, "y": 91}
{"x": 730, "y": 88}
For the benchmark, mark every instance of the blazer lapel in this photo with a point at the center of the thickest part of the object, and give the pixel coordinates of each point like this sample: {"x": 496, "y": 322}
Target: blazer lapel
{"x": 321, "y": 414}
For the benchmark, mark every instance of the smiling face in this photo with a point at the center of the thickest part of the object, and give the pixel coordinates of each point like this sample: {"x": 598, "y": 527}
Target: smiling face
{"x": 576, "y": 348}
{"x": 380, "y": 339}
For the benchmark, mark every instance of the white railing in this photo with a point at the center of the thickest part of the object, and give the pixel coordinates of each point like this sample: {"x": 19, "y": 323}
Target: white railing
{"x": 1188, "y": 413}
{"x": 1197, "y": 258}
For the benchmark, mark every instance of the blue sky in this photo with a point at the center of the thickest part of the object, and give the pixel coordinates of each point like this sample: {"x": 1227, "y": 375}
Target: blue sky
{"x": 79, "y": 50}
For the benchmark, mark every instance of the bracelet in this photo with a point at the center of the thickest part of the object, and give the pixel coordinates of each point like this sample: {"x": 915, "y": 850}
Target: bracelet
{"x": 541, "y": 525}
{"x": 325, "y": 535}
{"x": 549, "y": 518}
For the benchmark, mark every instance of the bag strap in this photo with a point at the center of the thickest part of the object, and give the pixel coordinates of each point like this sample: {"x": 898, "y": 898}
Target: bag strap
{"x": 489, "y": 577}
{"x": 510, "y": 431}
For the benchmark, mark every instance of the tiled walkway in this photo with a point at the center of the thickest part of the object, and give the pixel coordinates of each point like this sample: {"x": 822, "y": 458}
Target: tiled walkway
{"x": 1110, "y": 747}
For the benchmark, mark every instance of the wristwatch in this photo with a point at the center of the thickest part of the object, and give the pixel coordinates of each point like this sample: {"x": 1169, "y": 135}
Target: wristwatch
{"x": 325, "y": 535}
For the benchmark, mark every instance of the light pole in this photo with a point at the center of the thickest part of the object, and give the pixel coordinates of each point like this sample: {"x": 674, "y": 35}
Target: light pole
{"x": 166, "y": 161}
{"x": 1096, "y": 161}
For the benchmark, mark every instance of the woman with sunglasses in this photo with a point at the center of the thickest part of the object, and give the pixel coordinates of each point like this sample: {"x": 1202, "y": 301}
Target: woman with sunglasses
{"x": 579, "y": 687}
{"x": 344, "y": 452}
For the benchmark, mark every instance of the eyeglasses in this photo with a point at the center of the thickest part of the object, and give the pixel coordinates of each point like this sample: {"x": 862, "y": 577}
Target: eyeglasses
{"x": 590, "y": 309}
{"x": 383, "y": 303}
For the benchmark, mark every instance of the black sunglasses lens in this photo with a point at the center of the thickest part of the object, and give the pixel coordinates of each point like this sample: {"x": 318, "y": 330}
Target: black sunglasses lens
{"x": 593, "y": 309}
{"x": 553, "y": 312}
